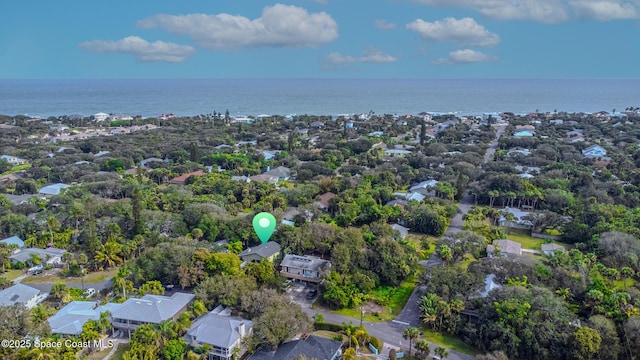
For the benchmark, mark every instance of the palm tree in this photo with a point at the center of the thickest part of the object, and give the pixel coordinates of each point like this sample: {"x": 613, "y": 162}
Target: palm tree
{"x": 429, "y": 308}
{"x": 411, "y": 333}
{"x": 103, "y": 324}
{"x": 445, "y": 253}
{"x": 121, "y": 279}
{"x": 442, "y": 352}
{"x": 348, "y": 330}
{"x": 423, "y": 349}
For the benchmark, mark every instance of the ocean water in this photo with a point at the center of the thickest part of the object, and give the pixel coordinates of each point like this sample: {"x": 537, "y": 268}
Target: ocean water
{"x": 152, "y": 97}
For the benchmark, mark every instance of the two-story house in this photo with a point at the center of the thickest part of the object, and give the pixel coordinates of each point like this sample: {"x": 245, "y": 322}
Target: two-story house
{"x": 305, "y": 268}
{"x": 150, "y": 309}
{"x": 222, "y": 332}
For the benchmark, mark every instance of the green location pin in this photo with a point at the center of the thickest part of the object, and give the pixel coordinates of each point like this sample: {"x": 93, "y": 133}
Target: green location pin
{"x": 264, "y": 224}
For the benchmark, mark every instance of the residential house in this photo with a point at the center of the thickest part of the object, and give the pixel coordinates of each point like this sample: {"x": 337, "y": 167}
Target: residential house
{"x": 420, "y": 191}
{"x": 18, "y": 199}
{"x": 9, "y": 178}
{"x": 397, "y": 152}
{"x": 519, "y": 221}
{"x": 21, "y": 294}
{"x": 70, "y": 319}
{"x": 268, "y": 250}
{"x": 281, "y": 172}
{"x": 444, "y": 125}
{"x": 398, "y": 202}
{"x": 145, "y": 162}
{"x": 400, "y": 229}
{"x": 264, "y": 178}
{"x": 505, "y": 247}
{"x": 550, "y": 249}
{"x": 222, "y": 332}
{"x": 182, "y": 179}
{"x": 14, "y": 240}
{"x": 316, "y": 125}
{"x": 304, "y": 267}
{"x": 518, "y": 152}
{"x": 323, "y": 201}
{"x": 594, "y": 151}
{"x": 312, "y": 347}
{"x": 13, "y": 160}
{"x": 242, "y": 178}
{"x": 99, "y": 117}
{"x": 53, "y": 189}
{"x": 523, "y": 134}
{"x": 150, "y": 309}
{"x": 49, "y": 256}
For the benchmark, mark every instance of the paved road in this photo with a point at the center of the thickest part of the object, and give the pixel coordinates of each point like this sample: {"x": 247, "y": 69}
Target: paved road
{"x": 391, "y": 331}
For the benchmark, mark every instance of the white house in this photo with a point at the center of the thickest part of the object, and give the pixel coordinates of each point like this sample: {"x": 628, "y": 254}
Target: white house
{"x": 100, "y": 116}
{"x": 221, "y": 331}
{"x": 21, "y": 294}
{"x": 594, "y": 151}
{"x": 13, "y": 160}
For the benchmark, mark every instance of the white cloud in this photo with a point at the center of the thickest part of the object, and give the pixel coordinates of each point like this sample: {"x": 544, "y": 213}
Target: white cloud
{"x": 371, "y": 55}
{"x": 605, "y": 10}
{"x": 384, "y": 25}
{"x": 278, "y": 26}
{"x": 142, "y": 49}
{"x": 546, "y": 11}
{"x": 465, "y": 56}
{"x": 465, "y": 31}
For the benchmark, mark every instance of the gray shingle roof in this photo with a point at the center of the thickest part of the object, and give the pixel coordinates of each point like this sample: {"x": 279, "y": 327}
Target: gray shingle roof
{"x": 218, "y": 330}
{"x": 24, "y": 255}
{"x": 17, "y": 294}
{"x": 314, "y": 347}
{"x": 303, "y": 262}
{"x": 263, "y": 250}
{"x": 152, "y": 308}
{"x": 70, "y": 319}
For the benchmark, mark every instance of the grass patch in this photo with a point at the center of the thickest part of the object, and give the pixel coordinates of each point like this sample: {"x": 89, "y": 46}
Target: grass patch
{"x": 527, "y": 241}
{"x": 91, "y": 278}
{"x": 385, "y": 298}
{"x": 450, "y": 342}
{"x": 329, "y": 334}
{"x": 466, "y": 261}
{"x": 425, "y": 245}
{"x": 122, "y": 348}
{"x": 12, "y": 274}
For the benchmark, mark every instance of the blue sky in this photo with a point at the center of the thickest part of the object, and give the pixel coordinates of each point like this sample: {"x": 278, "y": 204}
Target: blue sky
{"x": 320, "y": 39}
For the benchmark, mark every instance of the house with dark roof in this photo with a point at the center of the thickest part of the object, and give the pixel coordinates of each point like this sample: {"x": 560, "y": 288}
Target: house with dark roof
{"x": 305, "y": 268}
{"x": 70, "y": 319}
{"x": 21, "y": 294}
{"x": 268, "y": 250}
{"x": 313, "y": 347}
{"x": 264, "y": 178}
{"x": 221, "y": 331}
{"x": 323, "y": 201}
{"x": 182, "y": 179}
{"x": 150, "y": 309}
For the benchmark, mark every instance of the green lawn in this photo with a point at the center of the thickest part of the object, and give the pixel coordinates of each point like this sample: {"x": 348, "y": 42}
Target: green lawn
{"x": 329, "y": 334}
{"x": 420, "y": 241}
{"x": 392, "y": 298}
{"x": 122, "y": 348}
{"x": 12, "y": 274}
{"x": 93, "y": 277}
{"x": 529, "y": 242}
{"x": 450, "y": 342}
{"x": 464, "y": 264}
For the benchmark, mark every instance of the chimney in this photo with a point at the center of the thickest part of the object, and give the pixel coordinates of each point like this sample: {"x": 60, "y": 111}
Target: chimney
{"x": 241, "y": 329}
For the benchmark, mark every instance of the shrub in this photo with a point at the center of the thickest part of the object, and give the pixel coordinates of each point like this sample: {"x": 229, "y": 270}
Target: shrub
{"x": 375, "y": 342}
{"x": 327, "y": 327}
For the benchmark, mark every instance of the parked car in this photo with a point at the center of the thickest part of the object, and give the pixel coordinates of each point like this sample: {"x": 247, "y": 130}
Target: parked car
{"x": 312, "y": 294}
{"x": 89, "y": 292}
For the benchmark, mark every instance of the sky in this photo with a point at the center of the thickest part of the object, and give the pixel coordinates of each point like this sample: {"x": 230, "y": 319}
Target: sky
{"x": 320, "y": 39}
